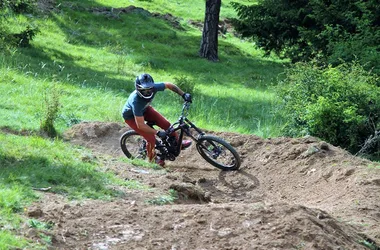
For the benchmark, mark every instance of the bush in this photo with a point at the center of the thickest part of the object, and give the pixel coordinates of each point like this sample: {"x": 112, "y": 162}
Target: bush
{"x": 340, "y": 105}
{"x": 19, "y": 6}
{"x": 185, "y": 84}
{"x": 23, "y": 38}
{"x": 9, "y": 11}
{"x": 51, "y": 110}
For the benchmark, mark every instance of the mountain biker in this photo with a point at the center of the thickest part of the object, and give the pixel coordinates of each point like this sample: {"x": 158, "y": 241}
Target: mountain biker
{"x": 137, "y": 110}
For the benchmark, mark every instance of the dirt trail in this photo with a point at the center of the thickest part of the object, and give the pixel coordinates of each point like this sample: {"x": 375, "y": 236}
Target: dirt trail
{"x": 289, "y": 194}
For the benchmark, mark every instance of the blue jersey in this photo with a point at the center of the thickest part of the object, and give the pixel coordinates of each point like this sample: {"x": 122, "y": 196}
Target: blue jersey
{"x": 136, "y": 105}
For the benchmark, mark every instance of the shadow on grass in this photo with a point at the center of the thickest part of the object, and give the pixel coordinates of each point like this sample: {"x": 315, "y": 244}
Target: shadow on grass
{"x": 74, "y": 181}
{"x": 150, "y": 43}
{"x": 154, "y": 43}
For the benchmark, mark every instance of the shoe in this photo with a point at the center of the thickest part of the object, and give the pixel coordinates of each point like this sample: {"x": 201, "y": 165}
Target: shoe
{"x": 160, "y": 162}
{"x": 186, "y": 144}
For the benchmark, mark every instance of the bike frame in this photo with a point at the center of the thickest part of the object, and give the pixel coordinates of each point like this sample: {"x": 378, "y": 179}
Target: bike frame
{"x": 184, "y": 125}
{"x": 213, "y": 149}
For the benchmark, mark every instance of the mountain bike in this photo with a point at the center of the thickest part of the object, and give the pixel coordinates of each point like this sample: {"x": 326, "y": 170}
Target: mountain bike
{"x": 213, "y": 149}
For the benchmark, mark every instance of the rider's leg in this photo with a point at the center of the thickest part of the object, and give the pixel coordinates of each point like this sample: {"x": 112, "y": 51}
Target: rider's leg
{"x": 150, "y": 138}
{"x": 152, "y": 115}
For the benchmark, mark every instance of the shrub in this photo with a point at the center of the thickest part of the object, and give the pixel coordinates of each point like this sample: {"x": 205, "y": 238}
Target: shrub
{"x": 185, "y": 84}
{"x": 23, "y": 38}
{"x": 19, "y": 6}
{"x": 165, "y": 199}
{"x": 9, "y": 11}
{"x": 340, "y": 105}
{"x": 50, "y": 112}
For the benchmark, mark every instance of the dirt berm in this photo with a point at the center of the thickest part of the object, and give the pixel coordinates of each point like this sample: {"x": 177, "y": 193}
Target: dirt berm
{"x": 289, "y": 194}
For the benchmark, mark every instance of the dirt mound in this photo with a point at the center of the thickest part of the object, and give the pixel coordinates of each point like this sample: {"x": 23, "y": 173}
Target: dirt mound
{"x": 127, "y": 225}
{"x": 103, "y": 138}
{"x": 289, "y": 194}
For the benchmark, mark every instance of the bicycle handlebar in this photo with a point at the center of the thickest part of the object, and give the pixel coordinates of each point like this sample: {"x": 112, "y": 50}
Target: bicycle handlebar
{"x": 185, "y": 108}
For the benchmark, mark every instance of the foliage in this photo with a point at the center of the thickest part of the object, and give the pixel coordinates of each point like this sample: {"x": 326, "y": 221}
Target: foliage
{"x": 33, "y": 223}
{"x": 185, "y": 84}
{"x": 19, "y": 6}
{"x": 51, "y": 112}
{"x": 337, "y": 104}
{"x": 141, "y": 163}
{"x": 23, "y": 38}
{"x": 370, "y": 244}
{"x": 327, "y": 30}
{"x": 42, "y": 229}
{"x": 9, "y": 241}
{"x": 9, "y": 12}
{"x": 165, "y": 199}
{"x": 13, "y": 199}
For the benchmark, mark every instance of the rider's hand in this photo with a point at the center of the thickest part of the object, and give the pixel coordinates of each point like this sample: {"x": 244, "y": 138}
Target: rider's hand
{"x": 162, "y": 134}
{"x": 187, "y": 97}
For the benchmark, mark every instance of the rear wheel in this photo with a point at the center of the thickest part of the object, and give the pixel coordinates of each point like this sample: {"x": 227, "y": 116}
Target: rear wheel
{"x": 133, "y": 145}
{"x": 218, "y": 152}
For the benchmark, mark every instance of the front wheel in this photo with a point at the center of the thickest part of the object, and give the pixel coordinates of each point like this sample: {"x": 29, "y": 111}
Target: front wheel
{"x": 218, "y": 152}
{"x": 133, "y": 145}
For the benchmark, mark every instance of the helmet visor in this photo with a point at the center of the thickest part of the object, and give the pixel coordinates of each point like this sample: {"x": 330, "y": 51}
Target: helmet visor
{"x": 147, "y": 92}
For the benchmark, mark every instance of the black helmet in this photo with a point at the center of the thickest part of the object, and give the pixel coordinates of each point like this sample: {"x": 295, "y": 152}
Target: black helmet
{"x": 144, "y": 86}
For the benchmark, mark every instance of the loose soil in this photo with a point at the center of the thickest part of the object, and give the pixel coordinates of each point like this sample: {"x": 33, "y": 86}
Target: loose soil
{"x": 289, "y": 194}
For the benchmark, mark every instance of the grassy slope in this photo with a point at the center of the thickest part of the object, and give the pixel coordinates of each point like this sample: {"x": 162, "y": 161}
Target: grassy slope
{"x": 91, "y": 59}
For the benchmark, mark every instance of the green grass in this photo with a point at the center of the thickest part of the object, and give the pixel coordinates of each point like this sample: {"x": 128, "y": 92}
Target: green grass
{"x": 193, "y": 10}
{"x": 31, "y": 162}
{"x": 34, "y": 162}
{"x": 9, "y": 241}
{"x": 141, "y": 163}
{"x": 170, "y": 198}
{"x": 91, "y": 60}
{"x": 94, "y": 59}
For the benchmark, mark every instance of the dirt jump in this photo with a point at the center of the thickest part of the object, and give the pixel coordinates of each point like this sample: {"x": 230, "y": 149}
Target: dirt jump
{"x": 288, "y": 194}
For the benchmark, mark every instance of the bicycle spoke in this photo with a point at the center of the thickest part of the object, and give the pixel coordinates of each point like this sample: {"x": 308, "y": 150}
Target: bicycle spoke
{"x": 133, "y": 145}
{"x": 218, "y": 153}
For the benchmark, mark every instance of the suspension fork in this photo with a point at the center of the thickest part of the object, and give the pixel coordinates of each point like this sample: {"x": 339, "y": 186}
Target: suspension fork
{"x": 200, "y": 133}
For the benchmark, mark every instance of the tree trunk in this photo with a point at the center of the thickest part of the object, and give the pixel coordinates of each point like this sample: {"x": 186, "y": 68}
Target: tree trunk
{"x": 209, "y": 43}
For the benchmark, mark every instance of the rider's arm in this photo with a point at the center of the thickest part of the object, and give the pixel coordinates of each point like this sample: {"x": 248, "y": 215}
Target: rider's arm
{"x": 140, "y": 122}
{"x": 174, "y": 88}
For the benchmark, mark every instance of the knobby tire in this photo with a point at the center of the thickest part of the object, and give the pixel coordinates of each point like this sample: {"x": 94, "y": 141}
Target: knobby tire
{"x": 218, "y": 153}
{"x": 131, "y": 145}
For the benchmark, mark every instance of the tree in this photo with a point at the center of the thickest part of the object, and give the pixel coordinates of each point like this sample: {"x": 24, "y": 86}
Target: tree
{"x": 209, "y": 43}
{"x": 304, "y": 29}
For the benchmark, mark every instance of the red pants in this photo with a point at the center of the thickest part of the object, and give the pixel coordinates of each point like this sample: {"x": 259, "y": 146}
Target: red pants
{"x": 150, "y": 115}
